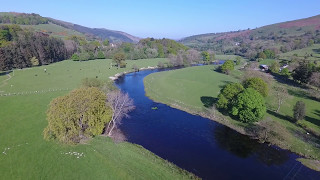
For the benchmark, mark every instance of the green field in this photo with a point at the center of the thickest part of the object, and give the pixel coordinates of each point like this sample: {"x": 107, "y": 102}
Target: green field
{"x": 188, "y": 88}
{"x": 185, "y": 87}
{"x": 26, "y": 155}
{"x": 314, "y": 50}
{"x": 54, "y": 30}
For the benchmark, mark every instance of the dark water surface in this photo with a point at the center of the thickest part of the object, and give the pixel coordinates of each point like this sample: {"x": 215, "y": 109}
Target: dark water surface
{"x": 200, "y": 145}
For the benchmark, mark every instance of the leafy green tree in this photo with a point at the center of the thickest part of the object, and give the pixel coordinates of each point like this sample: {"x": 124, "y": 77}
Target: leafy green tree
{"x": 285, "y": 72}
{"x": 106, "y": 42}
{"x": 227, "y": 94}
{"x": 75, "y": 57}
{"x": 80, "y": 114}
{"x": 299, "y": 111}
{"x": 205, "y": 56}
{"x": 270, "y": 54}
{"x": 227, "y": 66}
{"x": 34, "y": 61}
{"x": 91, "y": 56}
{"x": 249, "y": 106}
{"x": 100, "y": 55}
{"x": 262, "y": 55}
{"x": 238, "y": 60}
{"x": 303, "y": 72}
{"x": 119, "y": 58}
{"x": 275, "y": 67}
{"x": 258, "y": 84}
{"x": 84, "y": 56}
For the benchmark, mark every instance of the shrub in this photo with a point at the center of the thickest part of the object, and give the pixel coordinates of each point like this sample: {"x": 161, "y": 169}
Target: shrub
{"x": 227, "y": 67}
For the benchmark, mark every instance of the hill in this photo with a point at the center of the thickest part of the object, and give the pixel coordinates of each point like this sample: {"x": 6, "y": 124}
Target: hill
{"x": 63, "y": 29}
{"x": 281, "y": 38}
{"x": 102, "y": 33}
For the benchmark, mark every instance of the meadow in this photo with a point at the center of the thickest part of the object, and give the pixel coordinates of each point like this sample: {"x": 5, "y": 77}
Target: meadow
{"x": 191, "y": 89}
{"x": 26, "y": 155}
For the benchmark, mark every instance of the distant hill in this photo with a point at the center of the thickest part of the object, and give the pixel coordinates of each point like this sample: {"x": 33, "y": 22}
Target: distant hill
{"x": 282, "y": 37}
{"x": 111, "y": 35}
{"x": 61, "y": 28}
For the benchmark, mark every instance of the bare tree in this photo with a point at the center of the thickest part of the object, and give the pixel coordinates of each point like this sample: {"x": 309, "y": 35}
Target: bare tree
{"x": 315, "y": 79}
{"x": 121, "y": 104}
{"x": 282, "y": 94}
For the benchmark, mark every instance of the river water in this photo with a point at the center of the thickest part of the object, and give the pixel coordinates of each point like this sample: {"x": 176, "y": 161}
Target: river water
{"x": 202, "y": 146}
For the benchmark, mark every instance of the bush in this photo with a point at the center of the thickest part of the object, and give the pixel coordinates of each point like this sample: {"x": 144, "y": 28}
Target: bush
{"x": 92, "y": 82}
{"x": 75, "y": 57}
{"x": 227, "y": 67}
{"x": 80, "y": 114}
{"x": 100, "y": 55}
{"x": 84, "y": 57}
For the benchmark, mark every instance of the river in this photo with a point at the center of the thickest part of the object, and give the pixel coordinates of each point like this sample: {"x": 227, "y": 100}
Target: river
{"x": 202, "y": 146}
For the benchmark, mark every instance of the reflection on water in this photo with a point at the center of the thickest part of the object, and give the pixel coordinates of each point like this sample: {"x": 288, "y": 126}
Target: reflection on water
{"x": 202, "y": 146}
{"x": 242, "y": 146}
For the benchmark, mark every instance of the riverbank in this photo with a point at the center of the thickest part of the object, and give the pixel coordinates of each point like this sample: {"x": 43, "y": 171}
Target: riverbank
{"x": 191, "y": 89}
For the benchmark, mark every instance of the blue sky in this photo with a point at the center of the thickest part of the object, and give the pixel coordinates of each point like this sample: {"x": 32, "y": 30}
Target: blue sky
{"x": 169, "y": 18}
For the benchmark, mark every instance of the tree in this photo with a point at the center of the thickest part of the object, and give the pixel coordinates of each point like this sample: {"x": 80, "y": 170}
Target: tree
{"x": 91, "y": 56}
{"x": 78, "y": 115}
{"x": 106, "y": 42}
{"x": 270, "y": 54}
{"x": 299, "y": 111}
{"x": 100, "y": 55}
{"x": 275, "y": 67}
{"x": 34, "y": 61}
{"x": 238, "y": 60}
{"x": 121, "y": 104}
{"x": 227, "y": 94}
{"x": 75, "y": 57}
{"x": 227, "y": 66}
{"x": 303, "y": 72}
{"x": 84, "y": 56}
{"x": 205, "y": 56}
{"x": 262, "y": 55}
{"x": 282, "y": 94}
{"x": 285, "y": 72}
{"x": 249, "y": 106}
{"x": 258, "y": 84}
{"x": 119, "y": 58}
{"x": 315, "y": 79}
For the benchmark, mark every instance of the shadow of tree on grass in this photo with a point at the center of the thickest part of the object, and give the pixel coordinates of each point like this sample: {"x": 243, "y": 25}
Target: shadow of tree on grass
{"x": 313, "y": 120}
{"x": 280, "y": 116}
{"x": 208, "y": 101}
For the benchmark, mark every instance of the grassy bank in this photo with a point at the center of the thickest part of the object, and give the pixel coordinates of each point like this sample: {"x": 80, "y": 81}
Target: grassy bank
{"x": 26, "y": 155}
{"x": 191, "y": 89}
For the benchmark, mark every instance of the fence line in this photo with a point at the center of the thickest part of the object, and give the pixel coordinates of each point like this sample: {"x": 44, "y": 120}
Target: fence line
{"x": 34, "y": 92}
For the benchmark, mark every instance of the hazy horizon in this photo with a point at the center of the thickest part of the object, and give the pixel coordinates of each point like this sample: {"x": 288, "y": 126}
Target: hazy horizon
{"x": 168, "y": 19}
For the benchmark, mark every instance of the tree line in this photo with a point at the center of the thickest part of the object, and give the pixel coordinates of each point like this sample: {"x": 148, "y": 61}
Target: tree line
{"x": 22, "y": 48}
{"x": 23, "y": 19}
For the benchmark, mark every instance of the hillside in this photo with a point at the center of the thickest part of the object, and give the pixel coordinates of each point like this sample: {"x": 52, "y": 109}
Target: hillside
{"x": 281, "y": 37}
{"x": 63, "y": 29}
{"x": 111, "y": 35}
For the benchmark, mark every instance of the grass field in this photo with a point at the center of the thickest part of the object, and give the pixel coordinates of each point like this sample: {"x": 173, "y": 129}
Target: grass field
{"x": 54, "y": 30}
{"x": 314, "y": 50}
{"x": 185, "y": 88}
{"x": 26, "y": 155}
